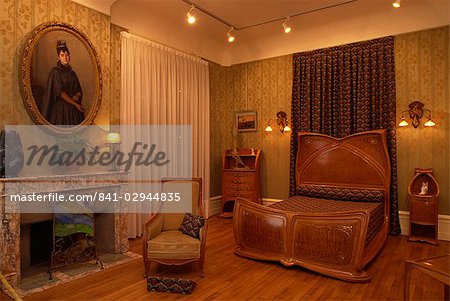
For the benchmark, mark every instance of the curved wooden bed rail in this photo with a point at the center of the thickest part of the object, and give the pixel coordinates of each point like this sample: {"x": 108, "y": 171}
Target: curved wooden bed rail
{"x": 333, "y": 243}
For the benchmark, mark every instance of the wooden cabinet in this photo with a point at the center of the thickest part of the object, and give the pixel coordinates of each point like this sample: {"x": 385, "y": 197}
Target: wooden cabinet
{"x": 423, "y": 193}
{"x": 240, "y": 178}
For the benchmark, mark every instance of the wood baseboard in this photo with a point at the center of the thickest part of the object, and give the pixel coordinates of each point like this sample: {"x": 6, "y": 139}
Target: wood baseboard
{"x": 214, "y": 205}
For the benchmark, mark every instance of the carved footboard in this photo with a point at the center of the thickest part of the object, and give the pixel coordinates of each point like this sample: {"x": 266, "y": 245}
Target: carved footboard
{"x": 331, "y": 244}
{"x": 259, "y": 232}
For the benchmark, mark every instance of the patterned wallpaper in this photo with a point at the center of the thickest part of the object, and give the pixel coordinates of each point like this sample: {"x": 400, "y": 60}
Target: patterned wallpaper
{"x": 422, "y": 72}
{"x": 264, "y": 86}
{"x": 17, "y": 19}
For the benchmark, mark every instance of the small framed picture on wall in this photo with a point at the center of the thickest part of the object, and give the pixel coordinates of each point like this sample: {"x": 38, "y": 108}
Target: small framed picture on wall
{"x": 246, "y": 121}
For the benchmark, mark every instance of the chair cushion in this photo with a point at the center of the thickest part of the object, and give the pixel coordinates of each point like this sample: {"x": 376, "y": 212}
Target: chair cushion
{"x": 192, "y": 224}
{"x": 173, "y": 245}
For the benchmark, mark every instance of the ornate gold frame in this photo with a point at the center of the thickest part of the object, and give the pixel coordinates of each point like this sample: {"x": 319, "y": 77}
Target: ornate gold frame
{"x": 25, "y": 76}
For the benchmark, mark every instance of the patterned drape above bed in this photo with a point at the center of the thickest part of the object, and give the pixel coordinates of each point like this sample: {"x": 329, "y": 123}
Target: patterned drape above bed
{"x": 344, "y": 90}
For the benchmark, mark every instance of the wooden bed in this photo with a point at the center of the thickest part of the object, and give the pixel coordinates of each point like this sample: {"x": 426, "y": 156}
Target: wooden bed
{"x": 337, "y": 222}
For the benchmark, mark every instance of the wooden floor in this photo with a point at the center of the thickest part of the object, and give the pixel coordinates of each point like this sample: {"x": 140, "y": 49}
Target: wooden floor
{"x": 229, "y": 277}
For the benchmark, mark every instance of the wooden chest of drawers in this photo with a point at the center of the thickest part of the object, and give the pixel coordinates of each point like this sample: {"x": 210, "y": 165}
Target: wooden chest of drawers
{"x": 240, "y": 178}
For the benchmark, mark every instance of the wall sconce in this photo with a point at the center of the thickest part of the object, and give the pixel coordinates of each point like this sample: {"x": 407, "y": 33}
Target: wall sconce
{"x": 113, "y": 139}
{"x": 416, "y": 112}
{"x": 282, "y": 122}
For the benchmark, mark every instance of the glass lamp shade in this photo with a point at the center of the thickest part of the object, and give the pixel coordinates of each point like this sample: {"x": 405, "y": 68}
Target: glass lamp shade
{"x": 268, "y": 128}
{"x": 429, "y": 123}
{"x": 287, "y": 129}
{"x": 113, "y": 138}
{"x": 403, "y": 122}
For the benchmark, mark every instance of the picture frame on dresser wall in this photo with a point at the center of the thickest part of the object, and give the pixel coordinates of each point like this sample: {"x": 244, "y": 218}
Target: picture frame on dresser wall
{"x": 246, "y": 121}
{"x": 60, "y": 77}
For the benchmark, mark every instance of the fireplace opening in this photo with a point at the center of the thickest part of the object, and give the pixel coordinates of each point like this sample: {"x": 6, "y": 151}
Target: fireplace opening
{"x": 36, "y": 246}
{"x": 36, "y": 240}
{"x": 41, "y": 242}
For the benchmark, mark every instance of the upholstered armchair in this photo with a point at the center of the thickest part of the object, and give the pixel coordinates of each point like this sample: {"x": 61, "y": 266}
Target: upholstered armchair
{"x": 163, "y": 242}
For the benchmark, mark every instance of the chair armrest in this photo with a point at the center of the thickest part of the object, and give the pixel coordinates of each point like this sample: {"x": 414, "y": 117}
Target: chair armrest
{"x": 153, "y": 227}
{"x": 202, "y": 234}
{"x": 203, "y": 231}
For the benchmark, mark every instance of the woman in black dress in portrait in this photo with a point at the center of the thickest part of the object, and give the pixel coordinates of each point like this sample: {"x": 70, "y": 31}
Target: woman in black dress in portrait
{"x": 62, "y": 103}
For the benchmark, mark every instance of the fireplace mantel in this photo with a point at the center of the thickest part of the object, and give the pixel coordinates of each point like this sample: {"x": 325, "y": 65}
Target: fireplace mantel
{"x": 10, "y": 222}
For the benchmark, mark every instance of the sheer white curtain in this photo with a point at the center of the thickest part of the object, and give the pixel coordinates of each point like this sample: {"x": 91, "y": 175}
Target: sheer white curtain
{"x": 162, "y": 86}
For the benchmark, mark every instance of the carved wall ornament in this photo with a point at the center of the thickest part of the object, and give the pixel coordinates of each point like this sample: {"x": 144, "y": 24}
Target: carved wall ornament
{"x": 416, "y": 112}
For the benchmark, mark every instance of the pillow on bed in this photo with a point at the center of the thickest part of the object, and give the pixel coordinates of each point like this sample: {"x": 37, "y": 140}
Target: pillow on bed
{"x": 337, "y": 193}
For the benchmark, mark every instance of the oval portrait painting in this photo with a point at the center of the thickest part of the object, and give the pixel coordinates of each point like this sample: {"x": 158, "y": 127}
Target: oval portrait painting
{"x": 61, "y": 77}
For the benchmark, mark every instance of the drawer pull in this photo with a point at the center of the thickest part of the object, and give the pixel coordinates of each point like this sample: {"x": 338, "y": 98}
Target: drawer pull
{"x": 237, "y": 182}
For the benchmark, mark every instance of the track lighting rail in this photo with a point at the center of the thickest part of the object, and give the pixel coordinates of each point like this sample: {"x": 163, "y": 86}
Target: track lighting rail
{"x": 203, "y": 10}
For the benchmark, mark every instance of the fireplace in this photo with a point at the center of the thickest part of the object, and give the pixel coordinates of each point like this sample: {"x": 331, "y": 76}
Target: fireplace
{"x": 18, "y": 231}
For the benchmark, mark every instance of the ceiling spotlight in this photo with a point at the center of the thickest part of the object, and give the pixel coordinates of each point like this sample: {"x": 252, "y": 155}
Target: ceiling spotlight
{"x": 286, "y": 27}
{"x": 229, "y": 35}
{"x": 397, "y": 3}
{"x": 190, "y": 17}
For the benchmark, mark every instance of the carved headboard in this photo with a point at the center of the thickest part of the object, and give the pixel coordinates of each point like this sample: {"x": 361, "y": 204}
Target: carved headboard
{"x": 356, "y": 162}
